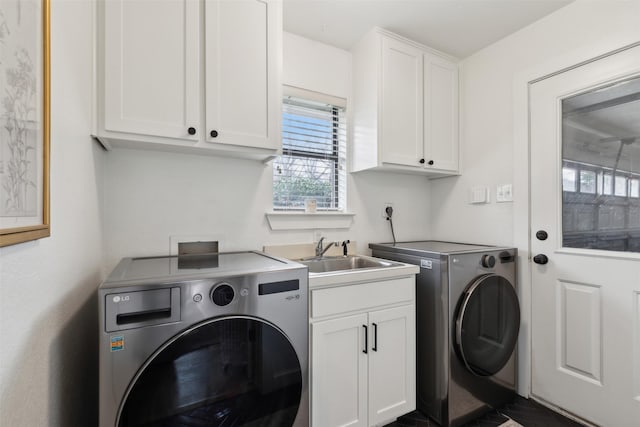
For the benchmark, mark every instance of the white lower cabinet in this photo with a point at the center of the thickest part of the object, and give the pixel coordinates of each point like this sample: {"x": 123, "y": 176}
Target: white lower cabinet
{"x": 339, "y": 372}
{"x": 392, "y": 364}
{"x": 362, "y": 353}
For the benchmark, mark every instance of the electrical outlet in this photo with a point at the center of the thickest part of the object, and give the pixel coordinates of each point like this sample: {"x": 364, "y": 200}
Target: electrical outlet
{"x": 384, "y": 209}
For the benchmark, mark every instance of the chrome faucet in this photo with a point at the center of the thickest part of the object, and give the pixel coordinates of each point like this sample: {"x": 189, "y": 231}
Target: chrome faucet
{"x": 320, "y": 251}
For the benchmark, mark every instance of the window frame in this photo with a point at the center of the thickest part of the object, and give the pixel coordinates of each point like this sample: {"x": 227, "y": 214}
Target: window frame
{"x": 338, "y": 107}
{"x": 334, "y": 157}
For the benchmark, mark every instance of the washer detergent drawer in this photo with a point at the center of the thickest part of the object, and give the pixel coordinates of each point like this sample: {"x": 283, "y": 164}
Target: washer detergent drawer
{"x": 127, "y": 310}
{"x": 362, "y": 296}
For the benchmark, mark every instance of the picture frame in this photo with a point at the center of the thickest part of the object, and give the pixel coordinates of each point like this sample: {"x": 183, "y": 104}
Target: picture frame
{"x": 24, "y": 120}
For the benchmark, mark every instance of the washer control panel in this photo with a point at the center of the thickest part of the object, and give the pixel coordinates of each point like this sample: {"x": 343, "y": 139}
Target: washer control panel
{"x": 251, "y": 294}
{"x": 488, "y": 261}
{"x": 222, "y": 294}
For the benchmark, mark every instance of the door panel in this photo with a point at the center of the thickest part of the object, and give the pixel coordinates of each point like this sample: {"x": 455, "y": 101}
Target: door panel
{"x": 243, "y": 89}
{"x": 391, "y": 363}
{"x": 402, "y": 109}
{"x": 584, "y": 125}
{"x": 152, "y": 72}
{"x": 440, "y": 113}
{"x": 339, "y": 386}
{"x": 636, "y": 347}
{"x": 579, "y": 330}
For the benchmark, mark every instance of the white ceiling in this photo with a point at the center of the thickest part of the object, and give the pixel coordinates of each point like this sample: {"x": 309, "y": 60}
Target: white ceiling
{"x": 457, "y": 27}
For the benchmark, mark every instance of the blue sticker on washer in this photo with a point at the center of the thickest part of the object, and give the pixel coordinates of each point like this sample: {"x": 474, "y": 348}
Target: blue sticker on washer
{"x": 117, "y": 343}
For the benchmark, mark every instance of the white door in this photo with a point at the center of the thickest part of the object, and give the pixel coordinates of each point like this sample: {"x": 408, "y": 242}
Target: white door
{"x": 401, "y": 109}
{"x": 585, "y": 195}
{"x": 243, "y": 66}
{"x": 392, "y": 381}
{"x": 152, "y": 68}
{"x": 339, "y": 351}
{"x": 440, "y": 113}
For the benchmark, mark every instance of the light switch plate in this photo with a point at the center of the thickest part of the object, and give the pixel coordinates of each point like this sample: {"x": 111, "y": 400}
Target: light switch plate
{"x": 504, "y": 193}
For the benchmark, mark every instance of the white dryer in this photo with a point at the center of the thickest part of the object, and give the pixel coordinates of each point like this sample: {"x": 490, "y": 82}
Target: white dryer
{"x": 467, "y": 324}
{"x": 211, "y": 340}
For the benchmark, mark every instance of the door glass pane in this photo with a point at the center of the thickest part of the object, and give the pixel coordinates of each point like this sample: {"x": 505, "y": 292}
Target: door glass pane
{"x": 607, "y": 184}
{"x": 229, "y": 372}
{"x": 601, "y": 168}
{"x": 634, "y": 188}
{"x": 621, "y": 186}
{"x": 587, "y": 181}
{"x": 568, "y": 179}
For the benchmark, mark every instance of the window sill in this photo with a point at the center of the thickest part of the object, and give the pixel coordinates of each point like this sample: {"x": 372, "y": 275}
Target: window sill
{"x": 309, "y": 221}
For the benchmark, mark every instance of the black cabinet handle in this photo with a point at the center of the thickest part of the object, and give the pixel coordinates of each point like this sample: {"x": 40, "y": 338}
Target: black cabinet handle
{"x": 375, "y": 337}
{"x": 191, "y": 131}
{"x": 541, "y": 259}
{"x": 430, "y": 162}
{"x": 213, "y": 133}
{"x": 421, "y": 161}
{"x": 366, "y": 339}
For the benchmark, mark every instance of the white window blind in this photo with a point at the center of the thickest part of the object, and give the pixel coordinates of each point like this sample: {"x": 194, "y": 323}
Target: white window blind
{"x": 313, "y": 161}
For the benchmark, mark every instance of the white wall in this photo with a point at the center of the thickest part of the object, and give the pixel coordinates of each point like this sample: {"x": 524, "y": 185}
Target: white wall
{"x": 306, "y": 65}
{"x": 48, "y": 307}
{"x": 150, "y": 196}
{"x": 581, "y": 29}
{"x": 493, "y": 99}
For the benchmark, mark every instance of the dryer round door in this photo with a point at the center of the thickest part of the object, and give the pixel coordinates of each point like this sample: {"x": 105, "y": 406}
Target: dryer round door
{"x": 236, "y": 371}
{"x": 487, "y": 324}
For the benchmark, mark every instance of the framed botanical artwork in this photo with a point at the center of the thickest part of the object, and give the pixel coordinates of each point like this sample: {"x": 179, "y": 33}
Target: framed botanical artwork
{"x": 24, "y": 120}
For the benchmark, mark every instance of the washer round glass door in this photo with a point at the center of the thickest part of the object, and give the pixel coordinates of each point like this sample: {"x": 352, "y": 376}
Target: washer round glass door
{"x": 231, "y": 371}
{"x": 487, "y": 324}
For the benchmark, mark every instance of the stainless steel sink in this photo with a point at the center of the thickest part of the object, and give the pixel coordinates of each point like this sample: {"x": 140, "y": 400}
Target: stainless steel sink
{"x": 350, "y": 262}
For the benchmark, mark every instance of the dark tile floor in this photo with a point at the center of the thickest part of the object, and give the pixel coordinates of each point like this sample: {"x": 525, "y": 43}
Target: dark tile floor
{"x": 521, "y": 410}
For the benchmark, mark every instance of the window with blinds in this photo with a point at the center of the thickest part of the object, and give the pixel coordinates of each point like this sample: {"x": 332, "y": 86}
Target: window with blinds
{"x": 313, "y": 161}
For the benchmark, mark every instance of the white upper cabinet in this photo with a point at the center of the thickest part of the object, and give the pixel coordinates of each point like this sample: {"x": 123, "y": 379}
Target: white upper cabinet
{"x": 440, "y": 113}
{"x": 243, "y": 61}
{"x": 151, "y": 76}
{"x": 405, "y": 107}
{"x": 401, "y": 109}
{"x": 191, "y": 76}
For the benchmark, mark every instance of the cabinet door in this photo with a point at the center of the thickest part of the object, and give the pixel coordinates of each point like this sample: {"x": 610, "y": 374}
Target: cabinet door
{"x": 339, "y": 372}
{"x": 151, "y": 67}
{"x": 440, "y": 113}
{"x": 401, "y": 109}
{"x": 392, "y": 383}
{"x": 243, "y": 66}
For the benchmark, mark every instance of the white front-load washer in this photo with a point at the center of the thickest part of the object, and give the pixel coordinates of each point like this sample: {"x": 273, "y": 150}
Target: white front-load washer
{"x": 467, "y": 324}
{"x": 204, "y": 340}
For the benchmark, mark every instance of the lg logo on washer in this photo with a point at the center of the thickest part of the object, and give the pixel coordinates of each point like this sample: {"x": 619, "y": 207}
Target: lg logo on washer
{"x": 123, "y": 298}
